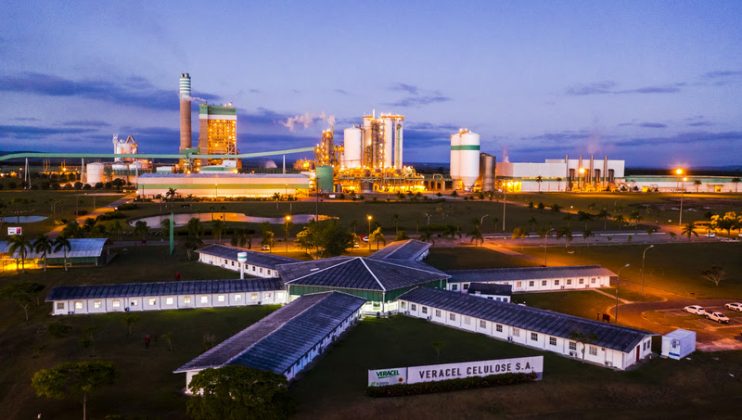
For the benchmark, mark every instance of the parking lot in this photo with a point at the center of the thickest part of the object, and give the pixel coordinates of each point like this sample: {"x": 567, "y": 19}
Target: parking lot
{"x": 710, "y": 334}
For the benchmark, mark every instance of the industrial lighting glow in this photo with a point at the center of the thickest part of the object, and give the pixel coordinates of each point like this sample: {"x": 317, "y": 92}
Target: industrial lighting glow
{"x": 679, "y": 171}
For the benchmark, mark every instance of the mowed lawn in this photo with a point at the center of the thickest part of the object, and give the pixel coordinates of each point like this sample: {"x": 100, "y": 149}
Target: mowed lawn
{"x": 586, "y": 303}
{"x": 335, "y": 387}
{"x": 474, "y": 257}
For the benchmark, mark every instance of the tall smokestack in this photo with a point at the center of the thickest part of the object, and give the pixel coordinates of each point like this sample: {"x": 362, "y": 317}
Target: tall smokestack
{"x": 185, "y": 111}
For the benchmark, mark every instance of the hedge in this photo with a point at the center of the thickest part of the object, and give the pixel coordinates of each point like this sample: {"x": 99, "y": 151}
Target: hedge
{"x": 450, "y": 385}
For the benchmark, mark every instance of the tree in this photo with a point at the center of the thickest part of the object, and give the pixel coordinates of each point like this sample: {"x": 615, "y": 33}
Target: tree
{"x": 117, "y": 228}
{"x": 217, "y": 227}
{"x": 305, "y": 238}
{"x": 72, "y": 230}
{"x": 736, "y": 182}
{"x": 401, "y": 235}
{"x": 63, "y": 244}
{"x": 395, "y": 218}
{"x": 539, "y": 180}
{"x": 586, "y": 234}
{"x": 73, "y": 379}
{"x": 170, "y": 194}
{"x": 42, "y": 246}
{"x": 23, "y": 294}
{"x": 715, "y": 274}
{"x": 268, "y": 238}
{"x": 476, "y": 234}
{"x": 603, "y": 215}
{"x": 237, "y": 392}
{"x": 377, "y": 235}
{"x": 333, "y": 238}
{"x": 194, "y": 227}
{"x": 19, "y": 248}
{"x": 566, "y": 233}
{"x": 697, "y": 183}
{"x": 689, "y": 230}
{"x": 142, "y": 229}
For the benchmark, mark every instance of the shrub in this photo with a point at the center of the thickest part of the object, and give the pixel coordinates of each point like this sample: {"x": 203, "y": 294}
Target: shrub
{"x": 450, "y": 385}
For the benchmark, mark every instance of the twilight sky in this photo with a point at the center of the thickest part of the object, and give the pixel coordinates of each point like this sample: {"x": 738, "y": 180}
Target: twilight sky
{"x": 655, "y": 83}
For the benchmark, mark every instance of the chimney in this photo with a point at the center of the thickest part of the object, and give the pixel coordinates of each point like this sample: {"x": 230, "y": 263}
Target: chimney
{"x": 185, "y": 111}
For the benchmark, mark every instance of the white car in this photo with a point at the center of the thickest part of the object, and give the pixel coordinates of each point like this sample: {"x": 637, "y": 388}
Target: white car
{"x": 695, "y": 309}
{"x": 718, "y": 317}
{"x": 736, "y": 306}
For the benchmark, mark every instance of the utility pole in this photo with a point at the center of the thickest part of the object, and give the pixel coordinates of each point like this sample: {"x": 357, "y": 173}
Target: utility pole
{"x": 644, "y": 256}
{"x": 618, "y": 282}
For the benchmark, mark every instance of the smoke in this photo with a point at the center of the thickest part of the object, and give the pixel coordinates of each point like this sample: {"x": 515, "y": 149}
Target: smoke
{"x": 505, "y": 154}
{"x": 307, "y": 120}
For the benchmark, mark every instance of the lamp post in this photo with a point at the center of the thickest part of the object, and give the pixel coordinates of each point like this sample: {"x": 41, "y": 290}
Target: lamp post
{"x": 287, "y": 220}
{"x": 679, "y": 173}
{"x": 644, "y": 256}
{"x": 504, "y": 199}
{"x": 369, "y": 218}
{"x": 618, "y": 282}
{"x": 546, "y": 237}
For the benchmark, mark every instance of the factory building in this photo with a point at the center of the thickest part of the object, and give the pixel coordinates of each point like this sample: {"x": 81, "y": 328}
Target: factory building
{"x": 560, "y": 175}
{"x": 161, "y": 296}
{"x": 376, "y": 145}
{"x": 83, "y": 252}
{"x": 534, "y": 279}
{"x": 465, "y": 159}
{"x": 664, "y": 183}
{"x": 258, "y": 264}
{"x": 286, "y": 341}
{"x": 585, "y": 340}
{"x": 216, "y": 185}
{"x": 217, "y": 132}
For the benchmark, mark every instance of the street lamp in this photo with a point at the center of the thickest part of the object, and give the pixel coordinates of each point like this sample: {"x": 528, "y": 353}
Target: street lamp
{"x": 679, "y": 173}
{"x": 546, "y": 237}
{"x": 644, "y": 256}
{"x": 287, "y": 219}
{"x": 618, "y": 282}
{"x": 369, "y": 218}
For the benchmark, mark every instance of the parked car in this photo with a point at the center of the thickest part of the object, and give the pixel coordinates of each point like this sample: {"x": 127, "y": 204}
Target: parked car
{"x": 695, "y": 309}
{"x": 735, "y": 306}
{"x": 265, "y": 248}
{"x": 718, "y": 317}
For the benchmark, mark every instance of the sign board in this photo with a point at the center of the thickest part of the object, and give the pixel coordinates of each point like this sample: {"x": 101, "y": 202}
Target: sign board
{"x": 242, "y": 257}
{"x": 13, "y": 231}
{"x": 434, "y": 373}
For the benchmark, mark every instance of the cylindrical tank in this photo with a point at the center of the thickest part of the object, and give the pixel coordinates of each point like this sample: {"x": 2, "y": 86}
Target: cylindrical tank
{"x": 95, "y": 172}
{"x": 352, "y": 147}
{"x": 487, "y": 171}
{"x": 454, "y": 162}
{"x": 185, "y": 111}
{"x": 324, "y": 178}
{"x": 469, "y": 159}
{"x": 388, "y": 142}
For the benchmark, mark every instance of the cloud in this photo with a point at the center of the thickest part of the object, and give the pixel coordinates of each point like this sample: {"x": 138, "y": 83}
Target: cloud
{"x": 405, "y": 87}
{"x": 719, "y": 74}
{"x": 133, "y": 91}
{"x": 559, "y": 136}
{"x": 25, "y": 119}
{"x": 700, "y": 124}
{"x": 610, "y": 87}
{"x": 34, "y": 132}
{"x": 86, "y": 123}
{"x": 683, "y": 138}
{"x": 341, "y": 91}
{"x": 644, "y": 124}
{"x": 416, "y": 96}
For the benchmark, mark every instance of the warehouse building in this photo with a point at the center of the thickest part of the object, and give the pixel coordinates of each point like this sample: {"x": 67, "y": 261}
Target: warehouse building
{"x": 287, "y": 340}
{"x": 492, "y": 291}
{"x": 216, "y": 185}
{"x": 407, "y": 250}
{"x": 379, "y": 281}
{"x": 582, "y": 339}
{"x": 695, "y": 183}
{"x": 534, "y": 279}
{"x": 83, "y": 252}
{"x": 566, "y": 174}
{"x": 258, "y": 264}
{"x": 160, "y": 296}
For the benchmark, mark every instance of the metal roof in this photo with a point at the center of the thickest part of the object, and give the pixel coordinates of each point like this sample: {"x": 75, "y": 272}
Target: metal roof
{"x": 261, "y": 259}
{"x": 359, "y": 273}
{"x": 490, "y": 289}
{"x": 169, "y": 288}
{"x": 221, "y": 175}
{"x": 527, "y": 273}
{"x": 528, "y": 318}
{"x": 280, "y": 339}
{"x": 408, "y": 250}
{"x": 79, "y": 248}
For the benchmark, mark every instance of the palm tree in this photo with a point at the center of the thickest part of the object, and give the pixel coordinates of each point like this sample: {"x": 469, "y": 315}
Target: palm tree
{"x": 116, "y": 229}
{"x": 217, "y": 227}
{"x": 19, "y": 246}
{"x": 42, "y": 246}
{"x": 736, "y": 182}
{"x": 170, "y": 194}
{"x": 586, "y": 234}
{"x": 165, "y": 227}
{"x": 689, "y": 230}
{"x": 194, "y": 227}
{"x": 395, "y": 217}
{"x": 62, "y": 244}
{"x": 142, "y": 229}
{"x": 604, "y": 215}
{"x": 539, "y": 180}
{"x": 697, "y": 183}
{"x": 476, "y": 234}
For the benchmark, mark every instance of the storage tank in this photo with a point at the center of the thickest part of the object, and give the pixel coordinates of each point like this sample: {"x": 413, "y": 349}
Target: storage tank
{"x": 352, "y": 147}
{"x": 388, "y": 142}
{"x": 324, "y": 178}
{"x": 468, "y": 158}
{"x": 487, "y": 171}
{"x": 454, "y": 162}
{"x": 95, "y": 172}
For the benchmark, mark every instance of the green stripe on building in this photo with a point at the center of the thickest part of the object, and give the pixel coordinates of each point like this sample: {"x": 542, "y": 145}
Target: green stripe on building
{"x": 466, "y": 147}
{"x": 143, "y": 185}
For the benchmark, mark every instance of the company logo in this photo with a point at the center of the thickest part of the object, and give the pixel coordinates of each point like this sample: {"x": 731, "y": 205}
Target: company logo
{"x": 382, "y": 374}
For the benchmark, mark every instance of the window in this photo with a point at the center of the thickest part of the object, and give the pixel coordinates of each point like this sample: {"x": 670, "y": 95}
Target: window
{"x": 452, "y": 316}
{"x": 134, "y": 303}
{"x": 517, "y": 284}
{"x": 466, "y": 286}
{"x": 254, "y": 296}
{"x": 498, "y": 327}
{"x": 592, "y": 280}
{"x": 402, "y": 304}
{"x": 556, "y": 282}
{"x": 516, "y": 332}
{"x": 220, "y": 298}
{"x": 116, "y": 303}
{"x": 78, "y": 305}
{"x": 237, "y": 298}
{"x": 425, "y": 309}
{"x": 582, "y": 281}
{"x": 552, "y": 341}
{"x": 233, "y": 264}
{"x": 269, "y": 295}
{"x": 531, "y": 283}
{"x": 569, "y": 282}
{"x": 204, "y": 299}
{"x": 573, "y": 345}
{"x": 60, "y": 305}
{"x": 168, "y": 301}
{"x": 438, "y": 313}
{"x": 455, "y": 287}
{"x": 261, "y": 269}
{"x": 187, "y": 300}
{"x": 413, "y": 307}
{"x": 534, "y": 336}
{"x": 97, "y": 304}
{"x": 467, "y": 320}
{"x": 543, "y": 282}
{"x": 152, "y": 301}
{"x": 593, "y": 351}
{"x": 482, "y": 324}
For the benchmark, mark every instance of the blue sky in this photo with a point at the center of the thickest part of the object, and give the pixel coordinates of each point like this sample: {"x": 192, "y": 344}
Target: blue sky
{"x": 655, "y": 83}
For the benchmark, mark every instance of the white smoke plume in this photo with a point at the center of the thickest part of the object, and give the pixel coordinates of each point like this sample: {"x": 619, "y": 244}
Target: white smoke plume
{"x": 307, "y": 120}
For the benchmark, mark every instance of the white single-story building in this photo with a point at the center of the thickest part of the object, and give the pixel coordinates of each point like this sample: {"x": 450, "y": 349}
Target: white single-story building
{"x": 406, "y": 250}
{"x": 692, "y": 183}
{"x": 554, "y": 175}
{"x": 258, "y": 264}
{"x": 222, "y": 184}
{"x": 534, "y": 279}
{"x": 160, "y": 296}
{"x": 83, "y": 252}
{"x": 492, "y": 291}
{"x": 287, "y": 340}
{"x": 590, "y": 341}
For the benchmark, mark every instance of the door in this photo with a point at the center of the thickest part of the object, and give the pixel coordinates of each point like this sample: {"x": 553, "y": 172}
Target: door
{"x": 637, "y": 353}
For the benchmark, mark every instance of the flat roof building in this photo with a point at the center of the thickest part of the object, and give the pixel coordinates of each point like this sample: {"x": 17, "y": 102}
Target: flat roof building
{"x": 493, "y": 291}
{"x": 534, "y": 279}
{"x": 258, "y": 264}
{"x": 216, "y": 185}
{"x": 287, "y": 340}
{"x": 82, "y": 252}
{"x": 407, "y": 250}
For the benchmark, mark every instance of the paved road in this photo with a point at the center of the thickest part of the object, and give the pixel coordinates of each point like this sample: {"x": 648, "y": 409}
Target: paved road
{"x": 95, "y": 213}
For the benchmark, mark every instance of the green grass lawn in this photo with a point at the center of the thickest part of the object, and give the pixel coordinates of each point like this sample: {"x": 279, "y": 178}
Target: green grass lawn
{"x": 586, "y": 303}
{"x": 474, "y": 257}
{"x": 674, "y": 268}
{"x": 335, "y": 387}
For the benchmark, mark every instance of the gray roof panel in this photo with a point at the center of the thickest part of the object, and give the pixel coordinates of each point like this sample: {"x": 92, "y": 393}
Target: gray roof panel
{"x": 407, "y": 250}
{"x": 260, "y": 259}
{"x": 527, "y": 273}
{"x": 79, "y": 248}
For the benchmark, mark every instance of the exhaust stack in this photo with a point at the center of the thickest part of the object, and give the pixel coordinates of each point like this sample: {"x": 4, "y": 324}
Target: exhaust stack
{"x": 185, "y": 111}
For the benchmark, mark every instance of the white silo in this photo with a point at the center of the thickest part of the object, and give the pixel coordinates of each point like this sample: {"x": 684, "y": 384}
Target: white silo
{"x": 388, "y": 141}
{"x": 468, "y": 158}
{"x": 95, "y": 172}
{"x": 352, "y": 147}
{"x": 454, "y": 162}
